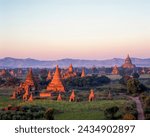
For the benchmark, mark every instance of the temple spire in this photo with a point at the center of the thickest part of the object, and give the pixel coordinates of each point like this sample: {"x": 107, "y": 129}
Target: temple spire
{"x": 115, "y": 70}
{"x": 56, "y": 83}
{"x": 83, "y": 73}
{"x": 29, "y": 78}
{"x": 128, "y": 63}
{"x": 72, "y": 96}
{"x": 70, "y": 68}
{"x": 49, "y": 76}
{"x": 92, "y": 95}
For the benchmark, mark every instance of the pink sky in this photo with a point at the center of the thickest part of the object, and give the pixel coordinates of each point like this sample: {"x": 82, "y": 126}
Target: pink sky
{"x": 81, "y": 50}
{"x": 74, "y": 29}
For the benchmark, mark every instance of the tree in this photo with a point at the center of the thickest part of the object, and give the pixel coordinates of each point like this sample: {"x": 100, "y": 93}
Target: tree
{"x": 134, "y": 86}
{"x": 110, "y": 112}
{"x": 135, "y": 75}
{"x": 49, "y": 114}
{"x": 147, "y": 102}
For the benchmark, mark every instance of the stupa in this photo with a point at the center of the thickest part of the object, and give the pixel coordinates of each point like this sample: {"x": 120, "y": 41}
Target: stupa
{"x": 56, "y": 83}
{"x": 24, "y": 90}
{"x": 49, "y": 76}
{"x": 59, "y": 98}
{"x": 69, "y": 73}
{"x": 115, "y": 70}
{"x": 12, "y": 73}
{"x": 29, "y": 79}
{"x": 31, "y": 97}
{"x": 3, "y": 72}
{"x": 70, "y": 70}
{"x": 83, "y": 73}
{"x": 92, "y": 95}
{"x": 19, "y": 72}
{"x": 143, "y": 71}
{"x": 72, "y": 96}
{"x": 128, "y": 63}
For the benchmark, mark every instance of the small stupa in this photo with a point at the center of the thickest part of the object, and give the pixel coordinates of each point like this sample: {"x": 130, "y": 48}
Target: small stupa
{"x": 31, "y": 97}
{"x": 83, "y": 73}
{"x": 92, "y": 95}
{"x": 56, "y": 83}
{"x": 70, "y": 70}
{"x": 115, "y": 70}
{"x": 143, "y": 71}
{"x": 12, "y": 73}
{"x": 59, "y": 98}
{"x": 72, "y": 96}
{"x": 3, "y": 72}
{"x": 19, "y": 72}
{"x": 49, "y": 76}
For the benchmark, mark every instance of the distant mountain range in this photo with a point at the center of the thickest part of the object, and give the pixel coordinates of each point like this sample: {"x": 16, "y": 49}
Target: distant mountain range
{"x": 26, "y": 63}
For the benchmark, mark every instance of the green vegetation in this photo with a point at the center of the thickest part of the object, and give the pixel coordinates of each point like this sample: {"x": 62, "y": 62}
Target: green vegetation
{"x": 130, "y": 111}
{"x": 22, "y": 113}
{"x": 70, "y": 110}
{"x": 134, "y": 86}
{"x": 110, "y": 113}
{"x": 145, "y": 99}
{"x": 86, "y": 82}
{"x": 82, "y": 109}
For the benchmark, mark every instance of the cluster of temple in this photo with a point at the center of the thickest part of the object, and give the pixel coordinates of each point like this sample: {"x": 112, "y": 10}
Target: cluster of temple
{"x": 127, "y": 65}
{"x": 11, "y": 73}
{"x": 27, "y": 89}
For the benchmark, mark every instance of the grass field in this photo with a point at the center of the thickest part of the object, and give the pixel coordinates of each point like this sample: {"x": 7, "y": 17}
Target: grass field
{"x": 70, "y": 110}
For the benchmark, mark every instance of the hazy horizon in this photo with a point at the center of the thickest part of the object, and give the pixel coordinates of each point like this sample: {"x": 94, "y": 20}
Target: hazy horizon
{"x": 74, "y": 58}
{"x": 80, "y": 29}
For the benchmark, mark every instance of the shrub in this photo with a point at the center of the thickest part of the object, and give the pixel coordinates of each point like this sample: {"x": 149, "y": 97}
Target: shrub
{"x": 49, "y": 114}
{"x": 130, "y": 108}
{"x": 110, "y": 112}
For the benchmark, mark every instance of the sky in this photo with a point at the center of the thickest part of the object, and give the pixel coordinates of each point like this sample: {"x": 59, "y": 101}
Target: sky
{"x": 85, "y": 29}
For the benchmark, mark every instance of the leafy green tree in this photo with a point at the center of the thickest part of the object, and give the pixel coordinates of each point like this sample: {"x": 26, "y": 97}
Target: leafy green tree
{"x": 134, "y": 86}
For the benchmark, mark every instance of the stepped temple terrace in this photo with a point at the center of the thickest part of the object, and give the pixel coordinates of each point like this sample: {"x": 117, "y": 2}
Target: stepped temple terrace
{"x": 26, "y": 89}
{"x": 56, "y": 83}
